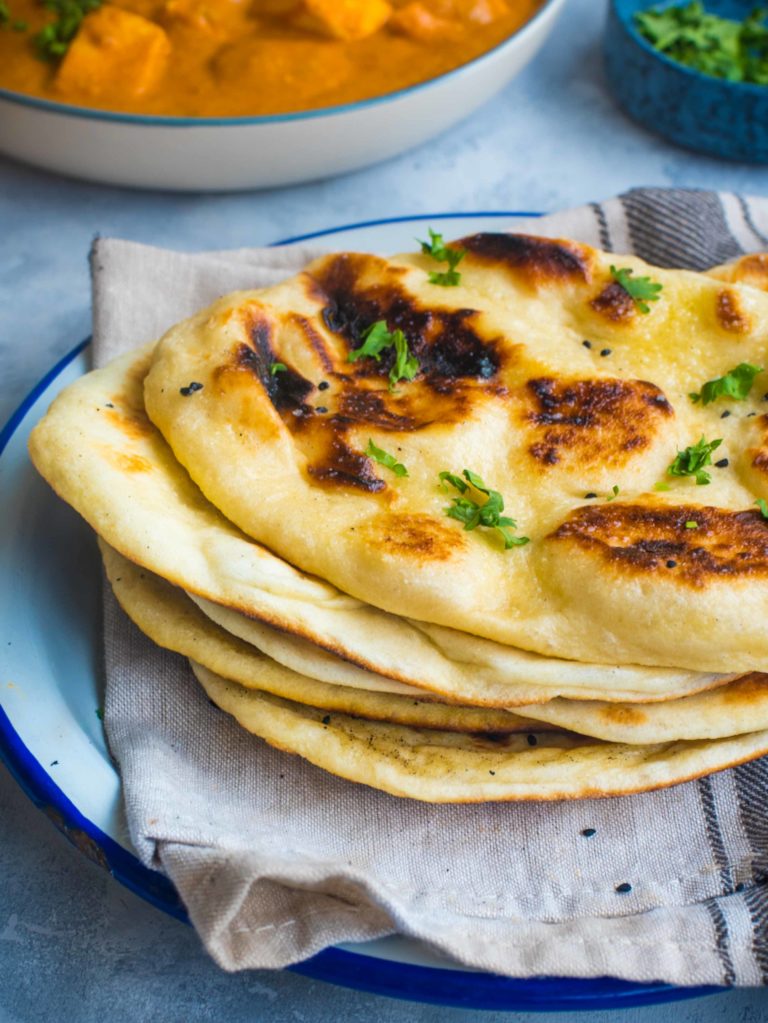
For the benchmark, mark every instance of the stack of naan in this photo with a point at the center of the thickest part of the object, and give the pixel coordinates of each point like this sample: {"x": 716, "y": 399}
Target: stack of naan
{"x": 454, "y": 527}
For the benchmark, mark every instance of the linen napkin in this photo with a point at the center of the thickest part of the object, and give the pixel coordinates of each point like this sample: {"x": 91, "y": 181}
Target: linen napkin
{"x": 275, "y": 860}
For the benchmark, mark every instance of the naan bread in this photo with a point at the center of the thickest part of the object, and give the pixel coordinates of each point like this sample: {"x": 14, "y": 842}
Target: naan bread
{"x": 98, "y": 450}
{"x": 446, "y": 767}
{"x": 170, "y": 619}
{"x": 507, "y": 388}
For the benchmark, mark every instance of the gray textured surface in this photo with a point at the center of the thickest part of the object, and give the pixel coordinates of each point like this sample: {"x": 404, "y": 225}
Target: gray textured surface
{"x": 74, "y": 945}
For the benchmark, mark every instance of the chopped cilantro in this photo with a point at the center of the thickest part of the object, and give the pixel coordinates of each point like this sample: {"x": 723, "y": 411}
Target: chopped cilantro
{"x": 736, "y": 384}
{"x": 692, "y": 460}
{"x": 641, "y": 290}
{"x": 762, "y": 504}
{"x": 438, "y": 250}
{"x": 277, "y": 367}
{"x": 5, "y": 14}
{"x": 661, "y": 486}
{"x": 473, "y": 513}
{"x": 614, "y": 493}
{"x": 376, "y": 339}
{"x": 52, "y": 41}
{"x": 720, "y": 47}
{"x": 385, "y": 459}
{"x": 690, "y": 524}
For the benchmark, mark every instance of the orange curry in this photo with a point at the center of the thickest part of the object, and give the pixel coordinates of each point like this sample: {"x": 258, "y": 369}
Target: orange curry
{"x": 214, "y": 58}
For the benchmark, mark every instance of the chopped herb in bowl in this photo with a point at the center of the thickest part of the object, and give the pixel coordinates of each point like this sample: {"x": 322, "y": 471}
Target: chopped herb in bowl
{"x": 736, "y": 51}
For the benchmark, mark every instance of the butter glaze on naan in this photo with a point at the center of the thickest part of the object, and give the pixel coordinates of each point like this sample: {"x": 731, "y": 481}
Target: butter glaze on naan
{"x": 446, "y": 767}
{"x": 99, "y": 451}
{"x": 508, "y": 389}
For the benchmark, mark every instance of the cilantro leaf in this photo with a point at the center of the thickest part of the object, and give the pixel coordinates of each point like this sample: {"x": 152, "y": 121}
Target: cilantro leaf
{"x": 736, "y": 384}
{"x": 691, "y": 461}
{"x": 762, "y": 504}
{"x": 614, "y": 493}
{"x": 690, "y": 524}
{"x": 376, "y": 339}
{"x": 472, "y": 513}
{"x": 641, "y": 290}
{"x": 5, "y": 14}
{"x": 277, "y": 367}
{"x": 720, "y": 47}
{"x": 385, "y": 459}
{"x": 52, "y": 41}
{"x": 438, "y": 250}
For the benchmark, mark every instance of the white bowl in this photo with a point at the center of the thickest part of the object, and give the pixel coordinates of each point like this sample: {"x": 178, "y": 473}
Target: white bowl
{"x": 193, "y": 154}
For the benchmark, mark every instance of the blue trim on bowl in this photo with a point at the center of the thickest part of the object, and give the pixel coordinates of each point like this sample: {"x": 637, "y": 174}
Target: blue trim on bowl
{"x": 164, "y": 121}
{"x": 295, "y": 239}
{"x": 359, "y": 971}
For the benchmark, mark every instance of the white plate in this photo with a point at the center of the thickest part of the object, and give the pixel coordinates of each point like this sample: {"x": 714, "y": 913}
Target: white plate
{"x": 51, "y": 694}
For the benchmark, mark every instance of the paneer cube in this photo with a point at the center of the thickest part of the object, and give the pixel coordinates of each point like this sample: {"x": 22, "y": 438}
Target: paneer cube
{"x": 484, "y": 12}
{"x": 418, "y": 21}
{"x": 114, "y": 51}
{"x": 344, "y": 19}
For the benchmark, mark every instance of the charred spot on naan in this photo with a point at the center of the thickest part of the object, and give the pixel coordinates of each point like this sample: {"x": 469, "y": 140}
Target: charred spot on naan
{"x": 134, "y": 424}
{"x": 614, "y": 303}
{"x": 730, "y": 313}
{"x": 621, "y": 714}
{"x": 534, "y": 261}
{"x": 126, "y": 461}
{"x": 356, "y": 291}
{"x": 638, "y": 539}
{"x": 340, "y": 464}
{"x": 751, "y": 269}
{"x": 416, "y": 537}
{"x": 593, "y": 421}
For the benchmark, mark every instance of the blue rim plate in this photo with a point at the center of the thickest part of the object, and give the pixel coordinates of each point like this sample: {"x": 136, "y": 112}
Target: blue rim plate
{"x": 50, "y": 693}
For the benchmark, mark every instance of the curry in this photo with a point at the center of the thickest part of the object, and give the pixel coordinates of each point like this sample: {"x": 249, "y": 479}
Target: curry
{"x": 230, "y": 58}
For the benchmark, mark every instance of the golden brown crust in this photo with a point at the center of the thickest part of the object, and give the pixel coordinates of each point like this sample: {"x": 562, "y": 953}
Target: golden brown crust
{"x": 642, "y": 539}
{"x": 593, "y": 422}
{"x": 420, "y": 537}
{"x": 614, "y": 303}
{"x": 535, "y": 261}
{"x": 730, "y": 314}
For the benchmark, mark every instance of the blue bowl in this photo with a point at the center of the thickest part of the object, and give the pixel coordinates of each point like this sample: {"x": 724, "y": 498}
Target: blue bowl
{"x": 725, "y": 119}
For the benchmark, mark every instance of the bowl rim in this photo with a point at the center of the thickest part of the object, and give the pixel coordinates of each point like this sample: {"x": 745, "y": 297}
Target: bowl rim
{"x": 173, "y": 121}
{"x": 627, "y": 22}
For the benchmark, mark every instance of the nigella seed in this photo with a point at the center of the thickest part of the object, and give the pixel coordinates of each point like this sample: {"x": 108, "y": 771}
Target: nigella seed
{"x": 323, "y": 385}
{"x": 724, "y": 415}
{"x": 109, "y": 405}
{"x": 671, "y": 564}
{"x": 605, "y": 351}
{"x": 750, "y": 414}
{"x": 327, "y": 719}
{"x": 589, "y": 832}
{"x": 587, "y": 344}
{"x": 722, "y": 464}
{"x": 491, "y": 772}
{"x": 532, "y": 740}
{"x": 623, "y": 888}
{"x": 320, "y": 408}
{"x": 190, "y": 389}
{"x": 589, "y": 496}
